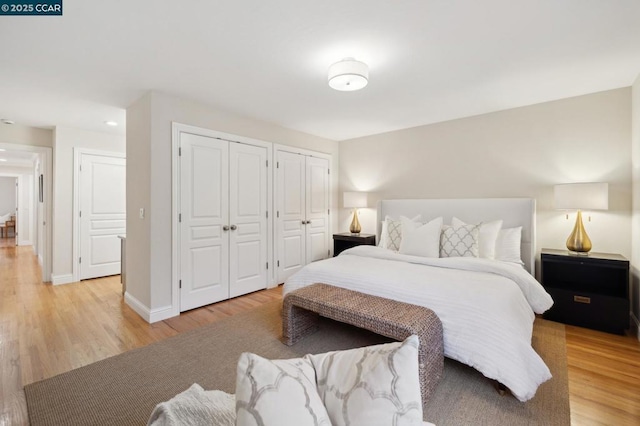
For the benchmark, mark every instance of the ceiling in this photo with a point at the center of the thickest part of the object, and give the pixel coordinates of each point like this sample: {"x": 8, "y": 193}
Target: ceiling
{"x": 430, "y": 60}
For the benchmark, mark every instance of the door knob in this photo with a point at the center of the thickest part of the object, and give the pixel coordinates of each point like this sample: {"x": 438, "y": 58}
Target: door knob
{"x": 233, "y": 227}
{"x": 225, "y": 228}
{"x": 304, "y": 222}
{"x": 308, "y": 222}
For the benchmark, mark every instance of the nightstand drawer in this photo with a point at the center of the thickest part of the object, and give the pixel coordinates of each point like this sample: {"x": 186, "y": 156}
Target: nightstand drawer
{"x": 605, "y": 313}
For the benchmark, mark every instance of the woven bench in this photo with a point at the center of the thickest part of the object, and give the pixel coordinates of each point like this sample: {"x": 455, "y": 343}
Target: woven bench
{"x": 397, "y": 320}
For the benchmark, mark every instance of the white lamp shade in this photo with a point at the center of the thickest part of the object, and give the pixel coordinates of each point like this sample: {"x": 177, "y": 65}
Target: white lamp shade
{"x": 355, "y": 199}
{"x": 348, "y": 75}
{"x": 582, "y": 196}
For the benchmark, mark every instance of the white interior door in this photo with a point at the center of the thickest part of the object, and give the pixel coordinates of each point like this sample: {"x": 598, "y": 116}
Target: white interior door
{"x": 290, "y": 213}
{"x": 317, "y": 208}
{"x": 102, "y": 201}
{"x": 248, "y": 218}
{"x": 204, "y": 253}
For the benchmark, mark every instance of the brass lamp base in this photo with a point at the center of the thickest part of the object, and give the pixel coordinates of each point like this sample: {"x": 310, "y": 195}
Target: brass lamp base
{"x": 355, "y": 223}
{"x": 579, "y": 241}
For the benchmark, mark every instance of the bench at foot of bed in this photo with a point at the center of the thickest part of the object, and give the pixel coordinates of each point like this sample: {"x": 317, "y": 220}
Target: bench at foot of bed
{"x": 390, "y": 318}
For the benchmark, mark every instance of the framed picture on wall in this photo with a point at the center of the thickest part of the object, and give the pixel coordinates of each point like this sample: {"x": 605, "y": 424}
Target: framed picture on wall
{"x": 41, "y": 188}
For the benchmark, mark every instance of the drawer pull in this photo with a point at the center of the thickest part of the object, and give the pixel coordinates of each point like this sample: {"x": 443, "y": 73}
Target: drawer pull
{"x": 581, "y": 299}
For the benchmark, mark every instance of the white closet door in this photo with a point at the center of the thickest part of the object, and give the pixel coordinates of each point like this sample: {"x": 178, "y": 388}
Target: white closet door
{"x": 290, "y": 215}
{"x": 204, "y": 253}
{"x": 248, "y": 218}
{"x": 317, "y": 208}
{"x": 102, "y": 200}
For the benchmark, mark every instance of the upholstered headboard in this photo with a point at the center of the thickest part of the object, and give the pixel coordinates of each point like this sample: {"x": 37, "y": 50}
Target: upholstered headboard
{"x": 513, "y": 212}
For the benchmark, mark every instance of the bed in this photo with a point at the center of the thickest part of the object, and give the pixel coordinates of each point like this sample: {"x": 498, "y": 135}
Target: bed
{"x": 487, "y": 307}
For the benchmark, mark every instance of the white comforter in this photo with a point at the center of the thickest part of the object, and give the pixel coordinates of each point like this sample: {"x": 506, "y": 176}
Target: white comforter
{"x": 486, "y": 307}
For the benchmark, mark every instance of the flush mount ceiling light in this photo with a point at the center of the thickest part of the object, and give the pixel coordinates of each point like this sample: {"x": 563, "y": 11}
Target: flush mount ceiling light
{"x": 7, "y": 121}
{"x": 3, "y": 159}
{"x": 348, "y": 75}
{"x": 111, "y": 123}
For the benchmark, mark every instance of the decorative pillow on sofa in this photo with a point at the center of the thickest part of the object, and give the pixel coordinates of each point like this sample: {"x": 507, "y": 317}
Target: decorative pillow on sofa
{"x": 375, "y": 385}
{"x": 279, "y": 393}
{"x": 421, "y": 239}
{"x": 391, "y": 234}
{"x": 486, "y": 238}
{"x": 459, "y": 241}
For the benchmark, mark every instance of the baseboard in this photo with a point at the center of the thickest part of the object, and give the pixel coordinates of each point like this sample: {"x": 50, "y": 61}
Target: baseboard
{"x": 149, "y": 315}
{"x": 635, "y": 325}
{"x": 40, "y": 262}
{"x": 25, "y": 243}
{"x": 61, "y": 279}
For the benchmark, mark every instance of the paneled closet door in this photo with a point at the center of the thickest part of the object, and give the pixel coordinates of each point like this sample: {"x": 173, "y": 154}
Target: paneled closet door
{"x": 248, "y": 218}
{"x": 317, "y": 208}
{"x": 204, "y": 245}
{"x": 290, "y": 213}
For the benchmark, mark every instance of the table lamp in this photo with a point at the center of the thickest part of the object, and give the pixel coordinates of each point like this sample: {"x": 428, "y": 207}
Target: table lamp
{"x": 355, "y": 200}
{"x": 581, "y": 196}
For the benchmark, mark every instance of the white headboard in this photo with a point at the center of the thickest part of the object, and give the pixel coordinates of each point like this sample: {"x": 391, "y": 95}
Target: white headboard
{"x": 513, "y": 212}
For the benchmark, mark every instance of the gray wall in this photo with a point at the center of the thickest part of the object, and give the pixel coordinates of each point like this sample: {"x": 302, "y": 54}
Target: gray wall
{"x": 7, "y": 195}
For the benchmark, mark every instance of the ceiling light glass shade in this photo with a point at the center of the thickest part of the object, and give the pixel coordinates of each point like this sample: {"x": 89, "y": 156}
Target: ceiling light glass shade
{"x": 348, "y": 75}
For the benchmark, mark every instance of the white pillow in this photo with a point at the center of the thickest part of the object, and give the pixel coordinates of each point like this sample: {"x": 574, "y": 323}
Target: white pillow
{"x": 279, "y": 393}
{"x": 459, "y": 241}
{"x": 375, "y": 385}
{"x": 391, "y": 234}
{"x": 487, "y": 237}
{"x": 508, "y": 245}
{"x": 421, "y": 240}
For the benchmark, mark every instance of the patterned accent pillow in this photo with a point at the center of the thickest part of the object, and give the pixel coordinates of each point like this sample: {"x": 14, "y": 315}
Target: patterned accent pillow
{"x": 459, "y": 241}
{"x": 391, "y": 235}
{"x": 375, "y": 385}
{"x": 279, "y": 393}
{"x": 487, "y": 236}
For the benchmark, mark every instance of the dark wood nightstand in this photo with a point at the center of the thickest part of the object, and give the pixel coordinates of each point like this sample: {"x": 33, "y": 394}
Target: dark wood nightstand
{"x": 589, "y": 291}
{"x": 346, "y": 240}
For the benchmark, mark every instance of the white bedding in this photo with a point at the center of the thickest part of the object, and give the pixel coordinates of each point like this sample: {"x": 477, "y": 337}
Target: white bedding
{"x": 486, "y": 306}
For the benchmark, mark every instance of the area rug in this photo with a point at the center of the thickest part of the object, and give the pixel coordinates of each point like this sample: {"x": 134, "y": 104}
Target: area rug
{"x": 124, "y": 389}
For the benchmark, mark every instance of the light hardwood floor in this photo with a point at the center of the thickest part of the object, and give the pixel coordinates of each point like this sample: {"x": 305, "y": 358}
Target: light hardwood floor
{"x": 46, "y": 330}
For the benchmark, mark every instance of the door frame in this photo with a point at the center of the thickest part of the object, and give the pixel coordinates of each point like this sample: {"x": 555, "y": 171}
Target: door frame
{"x": 77, "y": 157}
{"x": 46, "y": 226}
{"x": 176, "y": 130}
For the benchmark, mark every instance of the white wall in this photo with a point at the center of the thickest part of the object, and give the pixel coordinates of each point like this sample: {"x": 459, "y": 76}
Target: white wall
{"x": 520, "y": 152}
{"x": 635, "y": 227}
{"x": 7, "y": 195}
{"x": 149, "y": 182}
{"x": 65, "y": 139}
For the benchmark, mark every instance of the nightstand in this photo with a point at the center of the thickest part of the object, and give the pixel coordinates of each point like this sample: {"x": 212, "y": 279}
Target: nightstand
{"x": 589, "y": 291}
{"x": 346, "y": 240}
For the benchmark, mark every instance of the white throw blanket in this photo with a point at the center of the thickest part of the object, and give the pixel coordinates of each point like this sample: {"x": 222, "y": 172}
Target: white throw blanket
{"x": 486, "y": 307}
{"x": 196, "y": 407}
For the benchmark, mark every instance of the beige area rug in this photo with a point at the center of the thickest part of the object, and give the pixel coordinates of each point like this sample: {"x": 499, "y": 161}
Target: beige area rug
{"x": 124, "y": 389}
